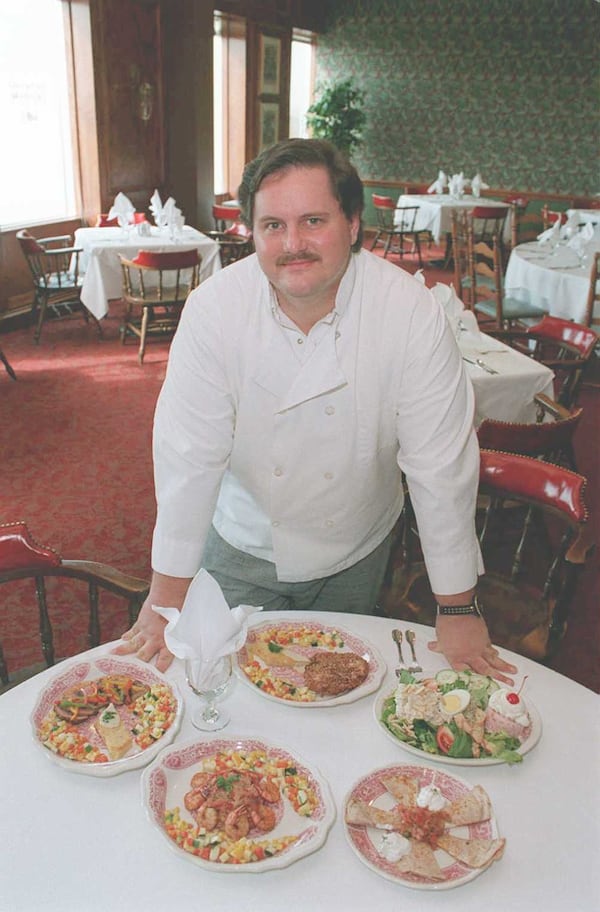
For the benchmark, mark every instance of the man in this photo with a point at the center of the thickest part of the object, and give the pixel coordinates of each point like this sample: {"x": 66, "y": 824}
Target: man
{"x": 302, "y": 381}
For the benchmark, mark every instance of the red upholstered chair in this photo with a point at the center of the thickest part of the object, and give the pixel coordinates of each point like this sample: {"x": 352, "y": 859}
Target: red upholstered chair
{"x": 54, "y": 266}
{"x": 527, "y": 600}
{"x": 155, "y": 288}
{"x": 395, "y": 224}
{"x": 232, "y": 235}
{"x": 550, "y": 216}
{"x": 566, "y": 348}
{"x": 21, "y": 558}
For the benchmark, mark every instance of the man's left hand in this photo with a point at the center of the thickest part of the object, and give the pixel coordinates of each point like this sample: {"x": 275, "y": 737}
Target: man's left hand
{"x": 464, "y": 640}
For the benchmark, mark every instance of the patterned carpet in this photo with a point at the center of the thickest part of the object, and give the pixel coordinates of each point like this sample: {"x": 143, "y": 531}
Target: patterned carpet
{"x": 75, "y": 437}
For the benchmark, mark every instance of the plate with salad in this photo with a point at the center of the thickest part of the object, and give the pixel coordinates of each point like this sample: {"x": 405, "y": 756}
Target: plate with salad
{"x": 459, "y": 717}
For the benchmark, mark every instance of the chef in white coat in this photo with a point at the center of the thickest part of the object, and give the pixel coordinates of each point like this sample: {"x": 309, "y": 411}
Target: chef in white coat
{"x": 302, "y": 382}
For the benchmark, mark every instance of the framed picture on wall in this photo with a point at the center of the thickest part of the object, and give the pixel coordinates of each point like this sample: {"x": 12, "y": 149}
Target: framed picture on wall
{"x": 268, "y": 124}
{"x": 270, "y": 64}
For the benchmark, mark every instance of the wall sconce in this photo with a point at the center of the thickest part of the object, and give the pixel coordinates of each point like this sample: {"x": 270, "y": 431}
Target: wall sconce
{"x": 142, "y": 94}
{"x": 145, "y": 101}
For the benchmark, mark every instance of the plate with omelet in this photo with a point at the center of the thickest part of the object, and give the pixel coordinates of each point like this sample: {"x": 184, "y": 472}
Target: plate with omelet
{"x": 106, "y": 715}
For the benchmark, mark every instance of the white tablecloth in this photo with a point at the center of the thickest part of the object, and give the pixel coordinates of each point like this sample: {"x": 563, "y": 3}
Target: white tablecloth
{"x": 532, "y": 277}
{"x": 435, "y": 211}
{"x": 75, "y": 843}
{"x": 508, "y": 394}
{"x": 99, "y": 260}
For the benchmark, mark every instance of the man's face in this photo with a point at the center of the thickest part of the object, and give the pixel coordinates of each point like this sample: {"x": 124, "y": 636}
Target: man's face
{"x": 302, "y": 237}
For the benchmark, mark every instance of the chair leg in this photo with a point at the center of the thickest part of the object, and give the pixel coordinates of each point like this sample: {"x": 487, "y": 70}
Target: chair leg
{"x": 143, "y": 331}
{"x": 418, "y": 246}
{"x": 7, "y": 365}
{"x": 41, "y": 318}
{"x": 46, "y": 636}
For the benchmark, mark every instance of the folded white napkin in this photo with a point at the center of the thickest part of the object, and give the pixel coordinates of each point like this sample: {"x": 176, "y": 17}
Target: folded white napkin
{"x": 571, "y": 226}
{"x": 440, "y": 184}
{"x": 122, "y": 209}
{"x": 206, "y": 628}
{"x": 457, "y": 185}
{"x": 477, "y": 185}
{"x": 156, "y": 208}
{"x": 551, "y": 235}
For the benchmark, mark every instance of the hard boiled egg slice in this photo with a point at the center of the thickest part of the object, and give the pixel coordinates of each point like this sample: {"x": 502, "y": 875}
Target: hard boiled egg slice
{"x": 454, "y": 701}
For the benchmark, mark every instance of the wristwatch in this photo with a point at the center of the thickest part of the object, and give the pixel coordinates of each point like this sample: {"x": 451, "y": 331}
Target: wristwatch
{"x": 473, "y": 608}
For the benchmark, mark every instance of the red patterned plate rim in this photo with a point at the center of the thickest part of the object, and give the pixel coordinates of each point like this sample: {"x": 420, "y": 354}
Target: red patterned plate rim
{"x": 89, "y": 669}
{"x": 363, "y": 840}
{"x": 352, "y": 643}
{"x": 167, "y": 778}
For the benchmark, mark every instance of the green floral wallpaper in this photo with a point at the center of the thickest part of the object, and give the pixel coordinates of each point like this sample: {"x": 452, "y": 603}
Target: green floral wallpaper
{"x": 508, "y": 88}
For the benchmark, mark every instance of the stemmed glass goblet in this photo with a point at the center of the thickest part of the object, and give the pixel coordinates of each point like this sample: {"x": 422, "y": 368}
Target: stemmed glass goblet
{"x": 209, "y": 680}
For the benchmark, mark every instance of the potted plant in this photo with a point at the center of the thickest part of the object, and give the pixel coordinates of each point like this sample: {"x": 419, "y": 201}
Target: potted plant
{"x": 337, "y": 115}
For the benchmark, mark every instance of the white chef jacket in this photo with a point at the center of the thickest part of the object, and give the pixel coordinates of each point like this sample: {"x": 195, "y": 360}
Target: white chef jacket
{"x": 299, "y": 460}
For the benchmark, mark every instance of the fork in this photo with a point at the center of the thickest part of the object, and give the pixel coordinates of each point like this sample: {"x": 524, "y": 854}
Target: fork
{"x": 414, "y": 667}
{"x": 397, "y": 638}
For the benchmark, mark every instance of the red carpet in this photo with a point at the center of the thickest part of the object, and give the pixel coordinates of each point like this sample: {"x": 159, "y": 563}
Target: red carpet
{"x": 76, "y": 466}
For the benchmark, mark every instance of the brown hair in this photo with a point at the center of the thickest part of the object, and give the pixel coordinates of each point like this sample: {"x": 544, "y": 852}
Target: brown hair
{"x": 346, "y": 185}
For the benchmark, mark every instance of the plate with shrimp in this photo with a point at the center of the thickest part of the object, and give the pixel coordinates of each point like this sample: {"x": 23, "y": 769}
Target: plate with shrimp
{"x": 304, "y": 663}
{"x": 237, "y": 805}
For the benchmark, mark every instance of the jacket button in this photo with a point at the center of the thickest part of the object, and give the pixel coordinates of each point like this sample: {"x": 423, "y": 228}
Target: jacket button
{"x": 329, "y": 522}
{"x": 329, "y": 410}
{"x": 328, "y": 476}
{"x": 278, "y": 471}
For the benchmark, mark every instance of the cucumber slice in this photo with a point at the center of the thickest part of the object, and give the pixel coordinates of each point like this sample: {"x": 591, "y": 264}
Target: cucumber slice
{"x": 446, "y": 676}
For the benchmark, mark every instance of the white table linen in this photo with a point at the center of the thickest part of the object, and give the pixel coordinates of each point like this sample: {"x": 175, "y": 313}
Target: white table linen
{"x": 101, "y": 267}
{"x": 532, "y": 275}
{"x": 75, "y": 842}
{"x": 508, "y": 394}
{"x": 435, "y": 211}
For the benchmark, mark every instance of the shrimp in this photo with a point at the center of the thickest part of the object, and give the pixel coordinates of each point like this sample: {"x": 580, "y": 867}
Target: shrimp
{"x": 212, "y": 813}
{"x": 203, "y": 781}
{"x": 268, "y": 790}
{"x": 192, "y": 800}
{"x": 237, "y": 823}
{"x": 263, "y": 817}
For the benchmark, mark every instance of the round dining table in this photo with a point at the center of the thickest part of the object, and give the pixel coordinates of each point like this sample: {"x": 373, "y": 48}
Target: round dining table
{"x": 556, "y": 279}
{"x": 78, "y": 843}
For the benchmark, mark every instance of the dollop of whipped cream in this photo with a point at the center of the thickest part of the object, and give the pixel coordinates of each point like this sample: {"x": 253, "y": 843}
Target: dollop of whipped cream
{"x": 431, "y": 797}
{"x": 516, "y": 710}
{"x": 393, "y": 846}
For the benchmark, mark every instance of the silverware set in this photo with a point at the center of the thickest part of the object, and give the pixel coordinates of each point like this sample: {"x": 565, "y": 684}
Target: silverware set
{"x": 479, "y": 363}
{"x": 413, "y": 667}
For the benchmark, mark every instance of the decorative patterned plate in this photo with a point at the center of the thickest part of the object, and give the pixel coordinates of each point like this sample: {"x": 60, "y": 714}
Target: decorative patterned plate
{"x": 285, "y": 683}
{"x": 157, "y": 722}
{"x": 303, "y": 814}
{"x": 366, "y": 841}
{"x": 526, "y": 746}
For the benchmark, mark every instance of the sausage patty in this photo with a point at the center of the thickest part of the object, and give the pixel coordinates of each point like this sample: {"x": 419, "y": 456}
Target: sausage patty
{"x": 332, "y": 673}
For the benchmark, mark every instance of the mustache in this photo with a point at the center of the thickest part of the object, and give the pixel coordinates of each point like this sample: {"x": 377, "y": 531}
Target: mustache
{"x": 297, "y": 258}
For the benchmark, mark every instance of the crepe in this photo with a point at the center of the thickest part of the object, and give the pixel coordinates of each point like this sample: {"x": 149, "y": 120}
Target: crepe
{"x": 360, "y": 813}
{"x": 473, "y": 807}
{"x": 420, "y": 860}
{"x": 476, "y": 853}
{"x": 115, "y": 735}
{"x": 283, "y": 658}
{"x": 403, "y": 788}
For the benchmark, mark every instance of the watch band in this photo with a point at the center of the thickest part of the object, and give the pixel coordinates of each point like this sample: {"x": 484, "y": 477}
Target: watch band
{"x": 474, "y": 608}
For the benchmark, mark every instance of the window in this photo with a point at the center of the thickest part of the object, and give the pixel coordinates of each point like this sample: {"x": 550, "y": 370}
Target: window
{"x": 301, "y": 81}
{"x": 37, "y": 155}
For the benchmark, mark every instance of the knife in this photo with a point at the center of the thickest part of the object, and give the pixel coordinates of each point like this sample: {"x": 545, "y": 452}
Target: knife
{"x": 479, "y": 363}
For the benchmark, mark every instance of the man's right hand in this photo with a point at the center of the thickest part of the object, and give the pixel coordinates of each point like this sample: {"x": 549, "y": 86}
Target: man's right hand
{"x": 146, "y": 638}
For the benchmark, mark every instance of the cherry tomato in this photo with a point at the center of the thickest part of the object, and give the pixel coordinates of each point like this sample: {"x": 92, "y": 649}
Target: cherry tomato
{"x": 444, "y": 738}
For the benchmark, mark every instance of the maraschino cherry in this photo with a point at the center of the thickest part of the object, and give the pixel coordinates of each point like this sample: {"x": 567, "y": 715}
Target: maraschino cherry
{"x": 513, "y": 697}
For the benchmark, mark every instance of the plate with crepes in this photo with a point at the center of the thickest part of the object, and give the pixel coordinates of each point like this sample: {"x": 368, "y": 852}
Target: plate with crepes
{"x": 106, "y": 715}
{"x": 304, "y": 663}
{"x": 237, "y": 805}
{"x": 422, "y": 827}
{"x": 459, "y": 718}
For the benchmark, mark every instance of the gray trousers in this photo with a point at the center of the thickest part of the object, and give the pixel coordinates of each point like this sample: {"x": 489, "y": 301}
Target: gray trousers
{"x": 248, "y": 580}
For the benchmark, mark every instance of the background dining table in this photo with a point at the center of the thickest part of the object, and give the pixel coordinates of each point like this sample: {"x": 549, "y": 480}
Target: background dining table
{"x": 101, "y": 267}
{"x": 75, "y": 843}
{"x": 504, "y": 381}
{"x": 435, "y": 211}
{"x": 556, "y": 280}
